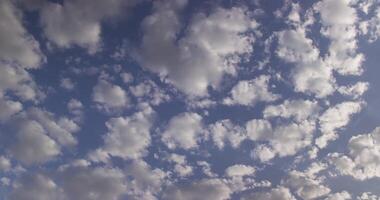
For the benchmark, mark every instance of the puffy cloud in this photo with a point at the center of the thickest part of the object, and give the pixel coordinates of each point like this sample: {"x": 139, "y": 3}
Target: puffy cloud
{"x": 93, "y": 184}
{"x": 284, "y": 140}
{"x": 250, "y": 92}
{"x": 19, "y": 82}
{"x": 67, "y": 84}
{"x": 128, "y": 137}
{"x": 181, "y": 167}
{"x": 355, "y": 91}
{"x": 338, "y": 18}
{"x": 372, "y": 26}
{"x": 240, "y": 170}
{"x": 183, "y": 131}
{"x": 334, "y": 119}
{"x": 5, "y": 164}
{"x": 33, "y": 145}
{"x": 210, "y": 47}
{"x": 149, "y": 91}
{"x": 78, "y": 22}
{"x": 146, "y": 183}
{"x": 344, "y": 195}
{"x": 224, "y": 131}
{"x": 8, "y": 109}
{"x": 109, "y": 97}
{"x": 17, "y": 46}
{"x": 279, "y": 193}
{"x": 61, "y": 129}
{"x": 35, "y": 187}
{"x": 298, "y": 109}
{"x": 310, "y": 74}
{"x": 211, "y": 189}
{"x": 363, "y": 159}
{"x": 304, "y": 186}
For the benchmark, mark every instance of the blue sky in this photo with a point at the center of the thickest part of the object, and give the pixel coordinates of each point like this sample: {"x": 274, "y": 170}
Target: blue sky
{"x": 189, "y": 99}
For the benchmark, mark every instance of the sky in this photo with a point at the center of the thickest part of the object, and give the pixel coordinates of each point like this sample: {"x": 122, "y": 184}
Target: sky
{"x": 189, "y": 99}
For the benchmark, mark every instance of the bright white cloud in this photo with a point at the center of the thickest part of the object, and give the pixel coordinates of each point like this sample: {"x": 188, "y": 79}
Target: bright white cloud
{"x": 16, "y": 44}
{"x": 225, "y": 132}
{"x": 298, "y": 109}
{"x": 278, "y": 193}
{"x": 128, "y": 137}
{"x": 211, "y": 189}
{"x": 335, "y": 118}
{"x": 209, "y": 48}
{"x": 109, "y": 97}
{"x": 240, "y": 170}
{"x": 183, "y": 131}
{"x": 363, "y": 159}
{"x": 250, "y": 92}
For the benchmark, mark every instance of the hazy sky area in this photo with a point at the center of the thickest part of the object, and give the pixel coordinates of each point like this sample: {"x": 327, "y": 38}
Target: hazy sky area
{"x": 189, "y": 100}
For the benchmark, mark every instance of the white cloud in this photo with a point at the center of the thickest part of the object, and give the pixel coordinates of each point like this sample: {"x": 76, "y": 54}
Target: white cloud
{"x": 304, "y": 186}
{"x": 363, "y": 159}
{"x": 298, "y": 109}
{"x": 344, "y": 195}
{"x": 128, "y": 137}
{"x": 109, "y": 97}
{"x": 93, "y": 184}
{"x": 310, "y": 74}
{"x": 61, "y": 129}
{"x": 16, "y": 44}
{"x": 284, "y": 140}
{"x": 355, "y": 91}
{"x": 211, "y": 189}
{"x": 250, "y": 92}
{"x": 19, "y": 82}
{"x": 8, "y": 109}
{"x": 32, "y": 145}
{"x": 183, "y": 131}
{"x": 181, "y": 167}
{"x": 278, "y": 193}
{"x": 5, "y": 164}
{"x": 35, "y": 187}
{"x": 146, "y": 183}
{"x": 224, "y": 131}
{"x": 240, "y": 170}
{"x": 67, "y": 84}
{"x": 78, "y": 22}
{"x": 210, "y": 47}
{"x": 338, "y": 18}
{"x": 150, "y": 92}
{"x": 334, "y": 119}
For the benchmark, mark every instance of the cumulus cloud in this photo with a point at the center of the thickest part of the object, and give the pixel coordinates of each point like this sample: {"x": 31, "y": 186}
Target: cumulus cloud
{"x": 78, "y": 22}
{"x": 279, "y": 193}
{"x": 304, "y": 186}
{"x": 225, "y": 132}
{"x": 338, "y": 18}
{"x": 17, "y": 46}
{"x": 150, "y": 92}
{"x": 240, "y": 170}
{"x": 310, "y": 74}
{"x": 250, "y": 92}
{"x": 17, "y": 81}
{"x": 8, "y": 109}
{"x": 109, "y": 97}
{"x": 284, "y": 140}
{"x": 147, "y": 182}
{"x": 93, "y": 184}
{"x": 209, "y": 48}
{"x": 212, "y": 189}
{"x": 127, "y": 137}
{"x": 32, "y": 145}
{"x": 363, "y": 159}
{"x": 35, "y": 187}
{"x": 335, "y": 118}
{"x": 183, "y": 131}
{"x": 355, "y": 91}
{"x": 298, "y": 109}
